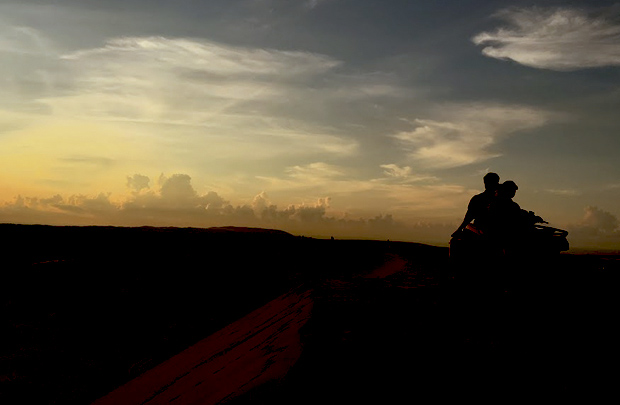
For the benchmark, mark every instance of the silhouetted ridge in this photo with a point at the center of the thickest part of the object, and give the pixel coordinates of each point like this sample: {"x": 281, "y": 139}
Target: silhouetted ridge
{"x": 262, "y": 231}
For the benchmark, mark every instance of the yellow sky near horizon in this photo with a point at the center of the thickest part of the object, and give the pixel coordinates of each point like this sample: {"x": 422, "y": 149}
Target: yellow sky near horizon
{"x": 307, "y": 123}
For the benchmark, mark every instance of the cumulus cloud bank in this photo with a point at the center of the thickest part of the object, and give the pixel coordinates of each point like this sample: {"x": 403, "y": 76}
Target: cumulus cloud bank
{"x": 599, "y": 220}
{"x": 597, "y": 228}
{"x": 138, "y": 182}
{"x": 175, "y": 202}
{"x": 561, "y": 39}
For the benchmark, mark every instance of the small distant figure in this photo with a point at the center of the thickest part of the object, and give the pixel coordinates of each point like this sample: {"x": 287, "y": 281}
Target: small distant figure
{"x": 478, "y": 207}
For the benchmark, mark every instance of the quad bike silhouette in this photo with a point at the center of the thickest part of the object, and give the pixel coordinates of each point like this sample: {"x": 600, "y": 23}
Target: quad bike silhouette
{"x": 533, "y": 241}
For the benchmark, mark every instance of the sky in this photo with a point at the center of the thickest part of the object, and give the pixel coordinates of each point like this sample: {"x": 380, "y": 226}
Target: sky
{"x": 346, "y": 118}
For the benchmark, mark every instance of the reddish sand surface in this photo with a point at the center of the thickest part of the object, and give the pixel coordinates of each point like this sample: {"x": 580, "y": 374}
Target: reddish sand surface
{"x": 393, "y": 264}
{"x": 258, "y": 348}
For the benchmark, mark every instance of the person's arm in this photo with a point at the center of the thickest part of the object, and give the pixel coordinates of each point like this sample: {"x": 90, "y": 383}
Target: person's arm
{"x": 469, "y": 216}
{"x": 531, "y": 218}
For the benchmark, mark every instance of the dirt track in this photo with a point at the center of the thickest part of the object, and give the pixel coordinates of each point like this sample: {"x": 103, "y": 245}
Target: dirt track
{"x": 251, "y": 351}
{"x": 258, "y": 349}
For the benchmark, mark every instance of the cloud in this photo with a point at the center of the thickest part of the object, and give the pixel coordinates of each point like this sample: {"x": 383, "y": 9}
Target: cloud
{"x": 403, "y": 174}
{"x": 26, "y": 71}
{"x": 57, "y": 210}
{"x": 309, "y": 214}
{"x": 93, "y": 205}
{"x": 312, "y": 4}
{"x": 228, "y": 101}
{"x": 561, "y": 39}
{"x": 598, "y": 229}
{"x": 303, "y": 213}
{"x": 177, "y": 189}
{"x": 175, "y": 193}
{"x": 261, "y": 202}
{"x": 564, "y": 192}
{"x": 212, "y": 201}
{"x": 315, "y": 172}
{"x": 180, "y": 80}
{"x": 138, "y": 182}
{"x": 23, "y": 40}
{"x": 197, "y": 59}
{"x": 395, "y": 189}
{"x": 175, "y": 202}
{"x": 466, "y": 135}
{"x": 600, "y": 220}
{"x": 187, "y": 104}
{"x": 393, "y": 170}
{"x": 313, "y": 177}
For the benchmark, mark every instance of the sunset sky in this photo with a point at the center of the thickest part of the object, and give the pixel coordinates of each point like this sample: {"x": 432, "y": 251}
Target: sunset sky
{"x": 351, "y": 118}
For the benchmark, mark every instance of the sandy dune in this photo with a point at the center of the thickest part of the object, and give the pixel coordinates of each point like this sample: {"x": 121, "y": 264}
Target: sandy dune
{"x": 261, "y": 346}
{"x": 256, "y": 349}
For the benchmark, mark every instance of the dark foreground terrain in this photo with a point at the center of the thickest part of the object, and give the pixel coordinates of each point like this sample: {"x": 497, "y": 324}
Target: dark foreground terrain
{"x": 167, "y": 315}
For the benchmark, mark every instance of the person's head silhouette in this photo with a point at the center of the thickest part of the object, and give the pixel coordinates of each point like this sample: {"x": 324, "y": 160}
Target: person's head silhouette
{"x": 491, "y": 181}
{"x": 507, "y": 189}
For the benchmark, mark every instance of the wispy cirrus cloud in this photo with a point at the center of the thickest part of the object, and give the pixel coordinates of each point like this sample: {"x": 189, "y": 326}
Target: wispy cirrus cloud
{"x": 564, "y": 192}
{"x": 403, "y": 174}
{"x": 265, "y": 101}
{"x": 183, "y": 81}
{"x": 315, "y": 172}
{"x": 190, "y": 81}
{"x": 23, "y": 40}
{"x": 561, "y": 39}
{"x": 312, "y": 4}
{"x": 465, "y": 134}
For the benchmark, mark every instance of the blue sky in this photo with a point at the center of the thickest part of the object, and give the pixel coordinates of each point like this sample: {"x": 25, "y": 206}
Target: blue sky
{"x": 329, "y": 117}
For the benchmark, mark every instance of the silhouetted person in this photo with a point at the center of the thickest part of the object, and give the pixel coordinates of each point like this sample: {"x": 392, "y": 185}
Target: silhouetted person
{"x": 478, "y": 207}
{"x": 504, "y": 213}
{"x": 507, "y": 222}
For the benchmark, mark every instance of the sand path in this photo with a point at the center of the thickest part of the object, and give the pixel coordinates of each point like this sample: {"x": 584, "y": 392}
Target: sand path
{"x": 261, "y": 346}
{"x": 392, "y": 265}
